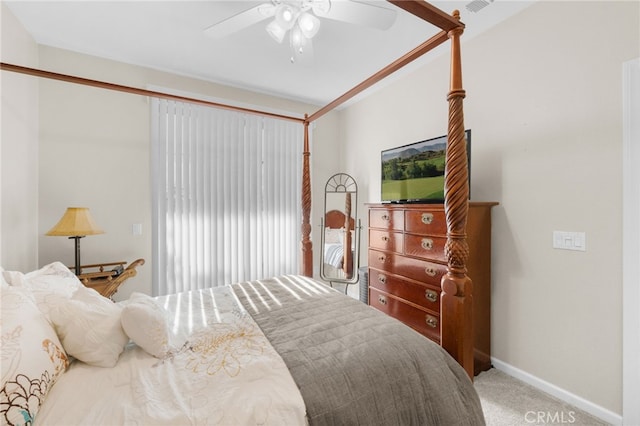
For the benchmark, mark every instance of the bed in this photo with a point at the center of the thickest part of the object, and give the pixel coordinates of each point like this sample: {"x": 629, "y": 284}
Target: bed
{"x": 335, "y": 350}
{"x": 457, "y": 291}
{"x": 286, "y": 350}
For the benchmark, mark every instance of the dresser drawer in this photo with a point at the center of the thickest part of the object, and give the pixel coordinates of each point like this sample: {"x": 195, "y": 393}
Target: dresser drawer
{"x": 420, "y": 320}
{"x": 416, "y": 269}
{"x": 386, "y": 219}
{"x": 383, "y": 261}
{"x": 386, "y": 240}
{"x": 423, "y": 295}
{"x": 421, "y": 270}
{"x": 426, "y": 222}
{"x": 424, "y": 246}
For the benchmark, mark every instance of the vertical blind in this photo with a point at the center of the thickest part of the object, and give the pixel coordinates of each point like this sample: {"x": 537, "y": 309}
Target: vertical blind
{"x": 226, "y": 196}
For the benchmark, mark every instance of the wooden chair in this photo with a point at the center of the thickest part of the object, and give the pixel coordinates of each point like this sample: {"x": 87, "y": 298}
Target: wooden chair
{"x": 106, "y": 278}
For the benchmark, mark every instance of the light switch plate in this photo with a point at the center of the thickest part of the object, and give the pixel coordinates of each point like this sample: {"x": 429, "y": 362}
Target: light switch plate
{"x": 565, "y": 240}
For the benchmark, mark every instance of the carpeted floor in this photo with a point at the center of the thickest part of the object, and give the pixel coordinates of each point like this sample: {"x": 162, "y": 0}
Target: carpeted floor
{"x": 507, "y": 401}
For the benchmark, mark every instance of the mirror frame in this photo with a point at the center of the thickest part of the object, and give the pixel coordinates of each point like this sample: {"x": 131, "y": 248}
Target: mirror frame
{"x": 342, "y": 183}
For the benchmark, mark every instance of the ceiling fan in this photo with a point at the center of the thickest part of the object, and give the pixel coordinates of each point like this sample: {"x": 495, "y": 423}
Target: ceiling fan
{"x": 301, "y": 19}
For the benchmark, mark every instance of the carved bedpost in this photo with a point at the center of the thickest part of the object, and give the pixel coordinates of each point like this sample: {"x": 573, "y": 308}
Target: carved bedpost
{"x": 307, "y": 248}
{"x": 457, "y": 288}
{"x": 347, "y": 262}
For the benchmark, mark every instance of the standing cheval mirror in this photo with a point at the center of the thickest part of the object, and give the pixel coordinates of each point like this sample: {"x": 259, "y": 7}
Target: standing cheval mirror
{"x": 340, "y": 236}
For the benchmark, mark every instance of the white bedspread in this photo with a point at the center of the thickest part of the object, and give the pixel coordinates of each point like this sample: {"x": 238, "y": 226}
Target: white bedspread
{"x": 334, "y": 254}
{"x": 223, "y": 372}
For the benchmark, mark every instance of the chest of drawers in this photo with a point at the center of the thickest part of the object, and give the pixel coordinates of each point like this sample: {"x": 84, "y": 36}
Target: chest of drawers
{"x": 407, "y": 262}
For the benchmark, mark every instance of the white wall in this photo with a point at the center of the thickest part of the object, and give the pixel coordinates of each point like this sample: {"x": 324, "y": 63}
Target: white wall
{"x": 545, "y": 108}
{"x": 95, "y": 153}
{"x": 18, "y": 149}
{"x": 631, "y": 242}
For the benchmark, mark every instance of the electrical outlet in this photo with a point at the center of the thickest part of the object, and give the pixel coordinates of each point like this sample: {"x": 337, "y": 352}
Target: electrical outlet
{"x": 565, "y": 240}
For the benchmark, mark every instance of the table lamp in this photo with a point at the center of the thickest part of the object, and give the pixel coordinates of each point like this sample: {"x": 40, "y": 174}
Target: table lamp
{"x": 75, "y": 224}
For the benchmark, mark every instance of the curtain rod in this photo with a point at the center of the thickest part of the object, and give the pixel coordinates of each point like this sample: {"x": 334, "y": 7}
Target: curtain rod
{"x": 127, "y": 89}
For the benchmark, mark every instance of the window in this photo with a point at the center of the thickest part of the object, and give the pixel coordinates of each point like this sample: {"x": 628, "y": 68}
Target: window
{"x": 226, "y": 196}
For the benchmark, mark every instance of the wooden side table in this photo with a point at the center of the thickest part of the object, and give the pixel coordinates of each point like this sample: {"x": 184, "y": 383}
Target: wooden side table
{"x": 106, "y": 278}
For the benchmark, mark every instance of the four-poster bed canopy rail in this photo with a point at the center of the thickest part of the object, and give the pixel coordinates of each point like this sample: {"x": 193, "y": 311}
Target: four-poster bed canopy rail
{"x": 456, "y": 301}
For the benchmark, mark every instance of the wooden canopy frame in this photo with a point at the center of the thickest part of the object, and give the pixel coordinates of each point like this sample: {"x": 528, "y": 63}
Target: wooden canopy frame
{"x": 456, "y": 301}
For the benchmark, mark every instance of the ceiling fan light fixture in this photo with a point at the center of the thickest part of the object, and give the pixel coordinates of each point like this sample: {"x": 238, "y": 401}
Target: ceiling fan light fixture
{"x": 286, "y": 15}
{"x": 297, "y": 39}
{"x": 297, "y": 42}
{"x": 276, "y": 31}
{"x": 267, "y": 9}
{"x": 321, "y": 7}
{"x": 298, "y": 18}
{"x": 309, "y": 25}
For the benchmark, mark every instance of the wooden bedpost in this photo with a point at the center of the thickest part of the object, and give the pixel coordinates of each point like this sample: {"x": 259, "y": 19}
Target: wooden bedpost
{"x": 457, "y": 288}
{"x": 307, "y": 248}
{"x": 347, "y": 258}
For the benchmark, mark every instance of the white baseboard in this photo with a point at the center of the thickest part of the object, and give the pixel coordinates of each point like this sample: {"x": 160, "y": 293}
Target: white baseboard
{"x": 553, "y": 390}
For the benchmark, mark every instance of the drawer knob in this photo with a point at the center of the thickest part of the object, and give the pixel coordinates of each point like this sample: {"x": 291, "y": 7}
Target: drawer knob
{"x": 382, "y": 300}
{"x": 385, "y": 217}
{"x": 427, "y": 243}
{"x": 385, "y": 238}
{"x": 382, "y": 279}
{"x": 431, "y": 321}
{"x": 382, "y": 258}
{"x": 427, "y": 218}
{"x": 431, "y": 295}
{"x": 431, "y": 271}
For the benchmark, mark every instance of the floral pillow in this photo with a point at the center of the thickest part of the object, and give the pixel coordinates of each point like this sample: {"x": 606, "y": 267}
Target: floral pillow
{"x": 87, "y": 323}
{"x": 32, "y": 357}
{"x": 46, "y": 283}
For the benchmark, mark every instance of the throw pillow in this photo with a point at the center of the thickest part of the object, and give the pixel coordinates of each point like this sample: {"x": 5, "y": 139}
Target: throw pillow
{"x": 89, "y": 327}
{"x": 147, "y": 325}
{"x": 32, "y": 357}
{"x": 48, "y": 282}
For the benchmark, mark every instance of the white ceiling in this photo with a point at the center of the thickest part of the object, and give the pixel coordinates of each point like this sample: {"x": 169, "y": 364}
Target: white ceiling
{"x": 170, "y": 36}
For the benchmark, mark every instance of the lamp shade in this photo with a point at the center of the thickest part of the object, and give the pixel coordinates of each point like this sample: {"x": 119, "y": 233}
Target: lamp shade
{"x": 276, "y": 31}
{"x": 309, "y": 25}
{"x": 321, "y": 7}
{"x": 76, "y": 221}
{"x": 286, "y": 15}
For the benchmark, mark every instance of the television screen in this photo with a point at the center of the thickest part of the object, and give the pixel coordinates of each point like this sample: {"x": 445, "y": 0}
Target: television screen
{"x": 415, "y": 172}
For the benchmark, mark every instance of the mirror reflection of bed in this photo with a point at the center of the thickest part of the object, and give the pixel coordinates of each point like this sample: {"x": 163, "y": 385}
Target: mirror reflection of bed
{"x": 338, "y": 245}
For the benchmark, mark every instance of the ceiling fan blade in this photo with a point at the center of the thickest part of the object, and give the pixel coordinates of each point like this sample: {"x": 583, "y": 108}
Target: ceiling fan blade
{"x": 365, "y": 14}
{"x": 237, "y": 22}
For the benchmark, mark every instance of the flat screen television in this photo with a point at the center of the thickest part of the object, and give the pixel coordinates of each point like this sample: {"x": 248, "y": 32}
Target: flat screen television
{"x": 415, "y": 172}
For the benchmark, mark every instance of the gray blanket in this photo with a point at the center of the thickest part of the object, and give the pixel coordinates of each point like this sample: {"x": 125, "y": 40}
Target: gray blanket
{"x": 355, "y": 365}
